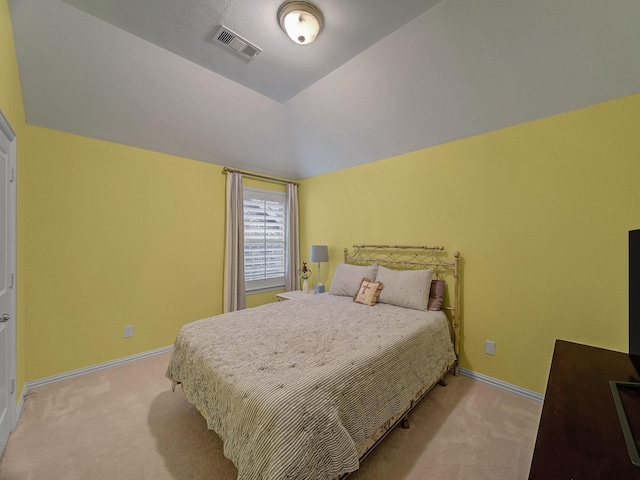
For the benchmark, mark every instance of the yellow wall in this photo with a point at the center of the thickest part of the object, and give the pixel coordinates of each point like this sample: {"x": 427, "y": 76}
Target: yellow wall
{"x": 12, "y": 108}
{"x": 540, "y": 212}
{"x": 257, "y": 299}
{"x": 118, "y": 236}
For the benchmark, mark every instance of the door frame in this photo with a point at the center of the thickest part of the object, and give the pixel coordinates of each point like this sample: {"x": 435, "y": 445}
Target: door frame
{"x": 7, "y": 131}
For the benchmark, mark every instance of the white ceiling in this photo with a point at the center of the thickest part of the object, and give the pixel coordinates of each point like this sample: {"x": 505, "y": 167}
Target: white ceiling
{"x": 283, "y": 69}
{"x": 383, "y": 78}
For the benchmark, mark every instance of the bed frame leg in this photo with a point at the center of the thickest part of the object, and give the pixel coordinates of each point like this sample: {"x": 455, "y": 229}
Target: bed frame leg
{"x": 442, "y": 382}
{"x": 405, "y": 423}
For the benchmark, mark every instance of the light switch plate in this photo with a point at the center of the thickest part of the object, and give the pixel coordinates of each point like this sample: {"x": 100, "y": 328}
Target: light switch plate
{"x": 489, "y": 347}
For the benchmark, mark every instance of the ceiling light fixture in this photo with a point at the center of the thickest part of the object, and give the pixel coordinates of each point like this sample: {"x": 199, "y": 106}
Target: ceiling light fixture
{"x": 301, "y": 20}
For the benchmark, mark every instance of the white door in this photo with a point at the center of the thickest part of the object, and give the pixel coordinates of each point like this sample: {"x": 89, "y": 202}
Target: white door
{"x": 7, "y": 277}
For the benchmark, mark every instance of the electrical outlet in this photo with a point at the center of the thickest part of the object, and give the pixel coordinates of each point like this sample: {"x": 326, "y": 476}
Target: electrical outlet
{"x": 489, "y": 347}
{"x": 128, "y": 331}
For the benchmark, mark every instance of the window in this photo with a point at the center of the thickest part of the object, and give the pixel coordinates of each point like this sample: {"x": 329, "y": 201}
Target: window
{"x": 264, "y": 239}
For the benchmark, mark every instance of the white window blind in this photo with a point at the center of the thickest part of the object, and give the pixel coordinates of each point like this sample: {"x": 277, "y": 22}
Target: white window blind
{"x": 264, "y": 239}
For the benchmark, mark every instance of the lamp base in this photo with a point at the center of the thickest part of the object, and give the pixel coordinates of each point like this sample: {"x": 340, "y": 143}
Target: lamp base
{"x": 318, "y": 288}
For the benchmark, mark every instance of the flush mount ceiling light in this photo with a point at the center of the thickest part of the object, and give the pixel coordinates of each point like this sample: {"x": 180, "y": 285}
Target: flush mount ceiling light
{"x": 301, "y": 20}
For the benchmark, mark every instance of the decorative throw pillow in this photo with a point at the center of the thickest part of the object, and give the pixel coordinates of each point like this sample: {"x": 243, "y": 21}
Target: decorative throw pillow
{"x": 405, "y": 288}
{"x": 368, "y": 292}
{"x": 347, "y": 278}
{"x": 436, "y": 295}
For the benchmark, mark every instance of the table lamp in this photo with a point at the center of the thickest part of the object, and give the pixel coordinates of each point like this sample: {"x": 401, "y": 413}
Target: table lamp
{"x": 319, "y": 253}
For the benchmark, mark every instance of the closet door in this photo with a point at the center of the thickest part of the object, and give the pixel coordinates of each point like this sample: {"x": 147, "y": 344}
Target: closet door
{"x": 7, "y": 290}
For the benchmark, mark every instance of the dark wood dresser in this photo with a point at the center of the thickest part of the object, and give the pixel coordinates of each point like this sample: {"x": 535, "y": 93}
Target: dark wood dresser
{"x": 580, "y": 436}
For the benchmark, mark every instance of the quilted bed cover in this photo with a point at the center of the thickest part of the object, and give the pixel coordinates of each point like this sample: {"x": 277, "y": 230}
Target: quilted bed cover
{"x": 296, "y": 388}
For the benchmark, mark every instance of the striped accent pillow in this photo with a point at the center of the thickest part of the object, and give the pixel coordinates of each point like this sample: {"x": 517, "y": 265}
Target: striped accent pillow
{"x": 436, "y": 294}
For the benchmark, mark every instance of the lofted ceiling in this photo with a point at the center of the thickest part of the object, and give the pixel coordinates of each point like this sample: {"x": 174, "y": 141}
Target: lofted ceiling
{"x": 383, "y": 78}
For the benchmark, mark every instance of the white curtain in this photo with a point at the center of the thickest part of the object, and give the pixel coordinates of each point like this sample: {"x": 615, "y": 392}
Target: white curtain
{"x": 234, "y": 294}
{"x": 292, "y": 262}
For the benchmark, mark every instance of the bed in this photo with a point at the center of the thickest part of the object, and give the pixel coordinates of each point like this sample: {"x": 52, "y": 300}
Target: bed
{"x": 305, "y": 389}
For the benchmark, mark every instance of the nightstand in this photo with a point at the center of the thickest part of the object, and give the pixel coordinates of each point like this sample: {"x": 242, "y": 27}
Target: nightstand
{"x": 292, "y": 295}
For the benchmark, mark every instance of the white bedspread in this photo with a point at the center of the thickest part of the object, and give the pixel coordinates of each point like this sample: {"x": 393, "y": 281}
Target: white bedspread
{"x": 295, "y": 388}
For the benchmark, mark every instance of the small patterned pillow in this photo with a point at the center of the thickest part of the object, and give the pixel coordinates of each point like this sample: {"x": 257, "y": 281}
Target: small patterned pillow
{"x": 368, "y": 292}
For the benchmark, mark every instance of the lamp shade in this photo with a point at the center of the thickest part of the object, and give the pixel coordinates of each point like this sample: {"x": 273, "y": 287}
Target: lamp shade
{"x": 319, "y": 253}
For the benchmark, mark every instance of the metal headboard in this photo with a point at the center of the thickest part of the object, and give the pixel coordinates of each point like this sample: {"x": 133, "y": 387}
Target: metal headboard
{"x": 404, "y": 257}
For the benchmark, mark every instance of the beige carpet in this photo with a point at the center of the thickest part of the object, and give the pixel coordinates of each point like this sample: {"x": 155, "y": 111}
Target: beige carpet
{"x": 125, "y": 423}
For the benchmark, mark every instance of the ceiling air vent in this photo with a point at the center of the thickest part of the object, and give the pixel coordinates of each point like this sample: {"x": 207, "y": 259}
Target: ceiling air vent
{"x": 235, "y": 42}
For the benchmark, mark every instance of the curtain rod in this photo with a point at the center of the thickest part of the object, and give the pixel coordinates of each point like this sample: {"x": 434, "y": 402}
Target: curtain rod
{"x": 255, "y": 175}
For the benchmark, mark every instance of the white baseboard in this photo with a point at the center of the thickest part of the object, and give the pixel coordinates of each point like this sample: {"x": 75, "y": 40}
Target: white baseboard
{"x": 120, "y": 361}
{"x": 23, "y": 395}
{"x": 82, "y": 371}
{"x": 503, "y": 385}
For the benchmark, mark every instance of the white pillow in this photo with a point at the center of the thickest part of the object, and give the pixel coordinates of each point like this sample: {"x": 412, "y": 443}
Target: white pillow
{"x": 346, "y": 280}
{"x": 405, "y": 288}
